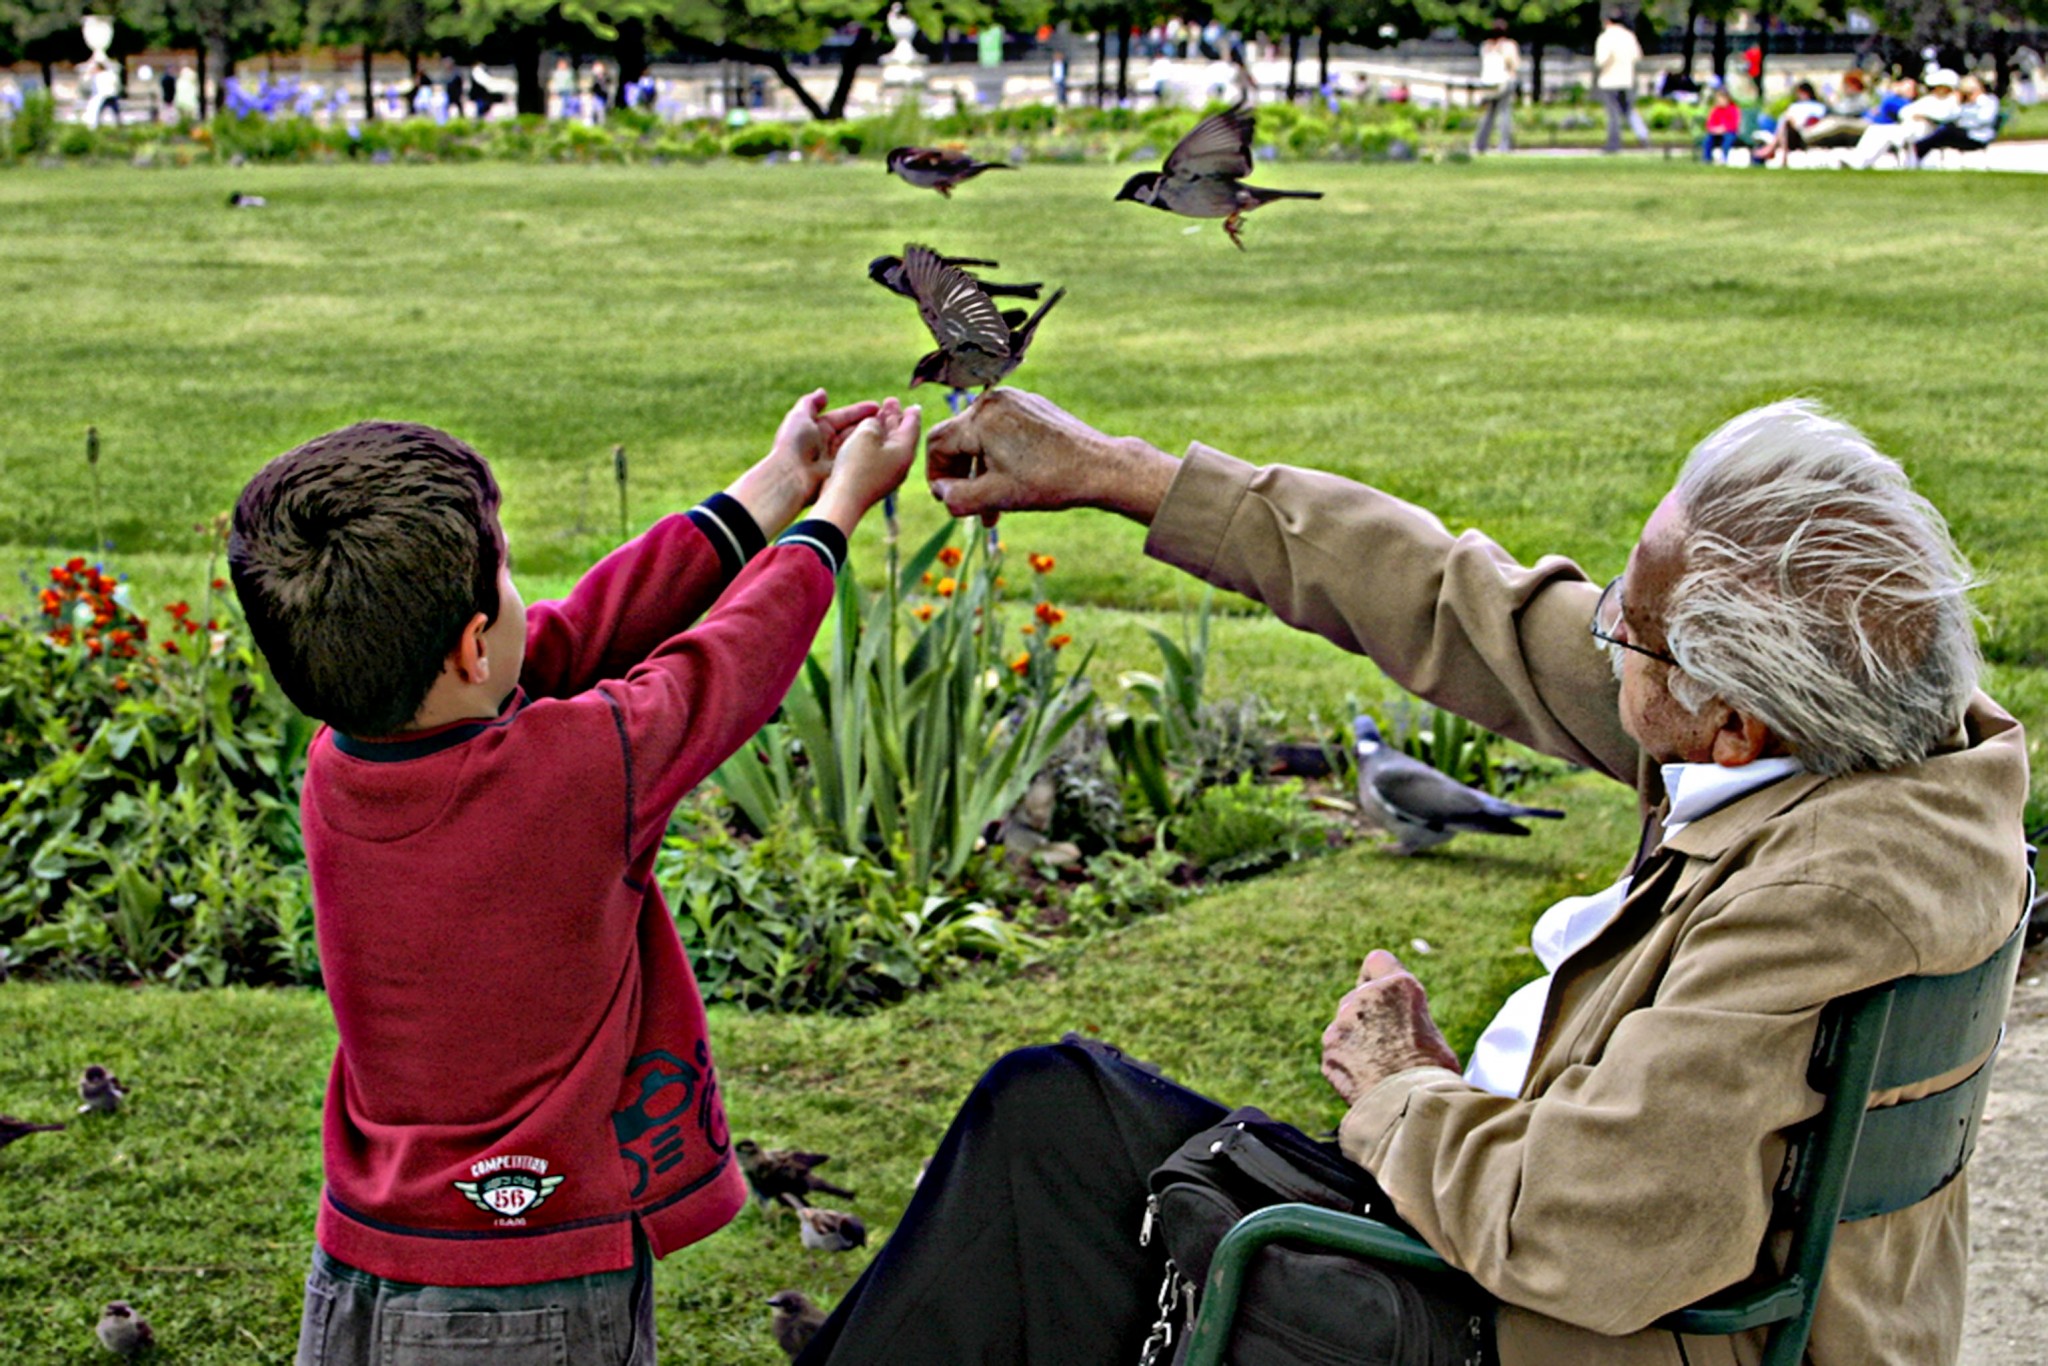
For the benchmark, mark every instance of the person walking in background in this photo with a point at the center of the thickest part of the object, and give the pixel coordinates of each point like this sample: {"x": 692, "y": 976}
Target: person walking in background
{"x": 1059, "y": 78}
{"x": 1724, "y": 126}
{"x": 561, "y": 90}
{"x": 1974, "y": 126}
{"x": 1615, "y": 56}
{"x": 185, "y": 95}
{"x": 1500, "y": 72}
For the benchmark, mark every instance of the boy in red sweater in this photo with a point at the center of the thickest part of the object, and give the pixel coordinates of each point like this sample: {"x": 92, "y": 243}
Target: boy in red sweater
{"x": 523, "y": 1112}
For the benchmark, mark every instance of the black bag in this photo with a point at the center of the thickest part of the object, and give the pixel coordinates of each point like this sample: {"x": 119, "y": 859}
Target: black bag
{"x": 1299, "y": 1308}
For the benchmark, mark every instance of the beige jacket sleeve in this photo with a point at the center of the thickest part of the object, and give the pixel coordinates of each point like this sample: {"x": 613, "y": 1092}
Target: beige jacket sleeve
{"x": 1453, "y": 619}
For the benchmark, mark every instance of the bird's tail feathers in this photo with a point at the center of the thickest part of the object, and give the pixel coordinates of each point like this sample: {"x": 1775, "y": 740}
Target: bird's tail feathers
{"x": 830, "y": 1189}
{"x": 1265, "y": 194}
{"x": 1024, "y": 333}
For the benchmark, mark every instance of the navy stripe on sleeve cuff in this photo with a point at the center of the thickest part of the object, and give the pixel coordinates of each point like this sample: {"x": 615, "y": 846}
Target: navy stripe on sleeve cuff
{"x": 819, "y": 535}
{"x": 731, "y": 529}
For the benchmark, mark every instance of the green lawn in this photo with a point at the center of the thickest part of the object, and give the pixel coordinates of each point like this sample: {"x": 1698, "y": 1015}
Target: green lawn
{"x": 1527, "y": 347}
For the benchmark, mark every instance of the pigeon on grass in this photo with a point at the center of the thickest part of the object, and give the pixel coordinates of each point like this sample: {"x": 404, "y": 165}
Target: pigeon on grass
{"x": 1422, "y": 808}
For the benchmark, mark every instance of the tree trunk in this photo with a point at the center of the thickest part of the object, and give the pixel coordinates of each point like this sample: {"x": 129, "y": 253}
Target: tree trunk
{"x": 1123, "y": 63}
{"x": 50, "y": 76}
{"x": 369, "y": 85}
{"x": 1322, "y": 59}
{"x": 533, "y": 96}
{"x": 1721, "y": 48}
{"x": 864, "y": 48}
{"x": 216, "y": 50}
{"x": 776, "y": 63}
{"x": 1101, "y": 66}
{"x": 1293, "y": 67}
{"x": 1536, "y": 72}
{"x": 1692, "y": 18}
{"x": 632, "y": 54}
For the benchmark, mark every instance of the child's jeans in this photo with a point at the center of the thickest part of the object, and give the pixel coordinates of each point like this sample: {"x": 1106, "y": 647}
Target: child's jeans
{"x": 355, "y": 1319}
{"x": 1724, "y": 142}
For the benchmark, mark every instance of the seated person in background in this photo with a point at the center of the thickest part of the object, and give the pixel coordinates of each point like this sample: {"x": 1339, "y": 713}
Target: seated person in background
{"x": 1724, "y": 125}
{"x": 1805, "y": 109}
{"x": 1972, "y": 129}
{"x": 1914, "y": 121}
{"x": 1848, "y": 116}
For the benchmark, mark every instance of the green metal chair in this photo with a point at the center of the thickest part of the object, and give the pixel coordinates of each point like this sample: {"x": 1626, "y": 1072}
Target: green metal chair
{"x": 1851, "y": 1163}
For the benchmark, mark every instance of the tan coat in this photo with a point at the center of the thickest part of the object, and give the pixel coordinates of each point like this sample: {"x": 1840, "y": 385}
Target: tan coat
{"x": 1634, "y": 1173}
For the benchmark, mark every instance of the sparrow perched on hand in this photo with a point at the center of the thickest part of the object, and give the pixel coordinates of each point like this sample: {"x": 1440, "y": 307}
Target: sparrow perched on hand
{"x": 784, "y": 1174}
{"x": 976, "y": 345}
{"x": 101, "y": 1090}
{"x": 12, "y": 1129}
{"x": 887, "y": 271}
{"x": 1422, "y": 807}
{"x": 934, "y": 168}
{"x": 122, "y": 1331}
{"x": 831, "y": 1230}
{"x": 1204, "y": 174}
{"x": 796, "y": 1321}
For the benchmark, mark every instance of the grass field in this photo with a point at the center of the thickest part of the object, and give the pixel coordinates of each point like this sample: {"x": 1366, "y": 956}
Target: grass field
{"x": 1529, "y": 348}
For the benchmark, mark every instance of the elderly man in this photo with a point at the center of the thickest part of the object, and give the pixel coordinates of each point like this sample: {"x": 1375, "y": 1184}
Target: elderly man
{"x": 1786, "y": 674}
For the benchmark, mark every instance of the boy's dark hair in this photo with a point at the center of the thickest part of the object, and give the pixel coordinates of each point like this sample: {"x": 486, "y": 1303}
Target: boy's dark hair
{"x": 358, "y": 558}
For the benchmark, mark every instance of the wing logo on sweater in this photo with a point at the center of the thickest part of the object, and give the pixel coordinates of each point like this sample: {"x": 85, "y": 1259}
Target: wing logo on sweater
{"x": 509, "y": 1187}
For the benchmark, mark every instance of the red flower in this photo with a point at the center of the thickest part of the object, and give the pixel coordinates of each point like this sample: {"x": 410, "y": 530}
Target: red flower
{"x": 220, "y": 585}
{"x": 1049, "y": 614}
{"x": 93, "y": 646}
{"x": 923, "y": 611}
{"x": 1021, "y": 664}
{"x": 178, "y": 609}
{"x": 950, "y": 556}
{"x": 1060, "y": 641}
{"x": 170, "y": 647}
{"x": 53, "y": 602}
{"x": 121, "y": 685}
{"x": 62, "y": 635}
{"x": 1042, "y": 564}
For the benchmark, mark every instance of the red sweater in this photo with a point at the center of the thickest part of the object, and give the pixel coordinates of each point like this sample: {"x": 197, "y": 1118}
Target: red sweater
{"x": 523, "y": 1073}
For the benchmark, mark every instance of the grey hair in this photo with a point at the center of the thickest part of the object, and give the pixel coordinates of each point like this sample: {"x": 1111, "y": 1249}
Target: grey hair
{"x": 1819, "y": 593}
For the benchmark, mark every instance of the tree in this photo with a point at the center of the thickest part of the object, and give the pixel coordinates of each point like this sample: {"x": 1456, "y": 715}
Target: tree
{"x": 413, "y": 27}
{"x": 224, "y": 31}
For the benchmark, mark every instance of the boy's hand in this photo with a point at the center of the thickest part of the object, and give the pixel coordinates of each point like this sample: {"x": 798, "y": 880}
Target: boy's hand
{"x": 788, "y": 478}
{"x": 871, "y": 463}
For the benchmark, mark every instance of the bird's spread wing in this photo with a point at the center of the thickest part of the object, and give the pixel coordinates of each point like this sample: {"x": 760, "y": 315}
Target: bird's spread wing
{"x": 953, "y": 306}
{"x": 1220, "y": 145}
{"x": 1425, "y": 794}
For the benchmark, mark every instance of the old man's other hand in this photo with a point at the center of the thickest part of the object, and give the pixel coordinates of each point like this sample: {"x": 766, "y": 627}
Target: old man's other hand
{"x": 1014, "y": 451}
{"x": 1383, "y": 1026}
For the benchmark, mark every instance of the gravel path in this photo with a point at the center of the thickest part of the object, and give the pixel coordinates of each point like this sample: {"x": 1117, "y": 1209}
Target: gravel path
{"x": 2008, "y": 1313}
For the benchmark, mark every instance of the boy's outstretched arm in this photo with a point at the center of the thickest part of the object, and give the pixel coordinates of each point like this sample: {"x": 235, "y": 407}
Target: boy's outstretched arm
{"x": 656, "y": 584}
{"x": 703, "y": 694}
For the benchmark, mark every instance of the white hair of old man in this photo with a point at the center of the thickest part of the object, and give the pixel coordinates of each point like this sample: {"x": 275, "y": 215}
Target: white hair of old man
{"x": 1819, "y": 593}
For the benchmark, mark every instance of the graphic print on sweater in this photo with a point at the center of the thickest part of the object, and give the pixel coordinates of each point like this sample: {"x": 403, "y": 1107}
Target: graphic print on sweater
{"x": 509, "y": 1188}
{"x": 664, "y": 1093}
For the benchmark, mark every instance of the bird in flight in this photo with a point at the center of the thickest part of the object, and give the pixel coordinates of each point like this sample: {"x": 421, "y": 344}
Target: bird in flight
{"x": 887, "y": 271}
{"x": 977, "y": 344}
{"x": 934, "y": 168}
{"x": 1204, "y": 175}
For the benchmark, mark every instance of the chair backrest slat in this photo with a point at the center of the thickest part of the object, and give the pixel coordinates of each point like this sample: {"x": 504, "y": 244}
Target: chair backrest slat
{"x": 1942, "y": 1023}
{"x": 1908, "y": 1152}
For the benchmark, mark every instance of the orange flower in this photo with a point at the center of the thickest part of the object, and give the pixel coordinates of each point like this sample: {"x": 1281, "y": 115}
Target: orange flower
{"x": 946, "y": 586}
{"x": 927, "y": 580}
{"x": 1021, "y": 664}
{"x": 1002, "y": 582}
{"x": 1027, "y": 629}
{"x": 121, "y": 685}
{"x": 62, "y": 635}
{"x": 923, "y": 611}
{"x": 1042, "y": 564}
{"x": 93, "y": 646}
{"x": 1049, "y": 614}
{"x": 950, "y": 557}
{"x": 53, "y": 602}
{"x": 76, "y": 564}
{"x": 1060, "y": 641}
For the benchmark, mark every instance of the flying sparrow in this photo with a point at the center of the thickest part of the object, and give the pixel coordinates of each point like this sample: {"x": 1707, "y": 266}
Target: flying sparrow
{"x": 934, "y": 168}
{"x": 887, "y": 271}
{"x": 976, "y": 345}
{"x": 1204, "y": 175}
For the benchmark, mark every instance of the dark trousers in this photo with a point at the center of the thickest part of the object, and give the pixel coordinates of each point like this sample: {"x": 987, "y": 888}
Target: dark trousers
{"x": 1021, "y": 1243}
{"x": 1948, "y": 135}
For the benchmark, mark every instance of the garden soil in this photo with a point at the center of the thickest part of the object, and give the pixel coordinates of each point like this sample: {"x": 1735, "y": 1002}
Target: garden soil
{"x": 2008, "y": 1309}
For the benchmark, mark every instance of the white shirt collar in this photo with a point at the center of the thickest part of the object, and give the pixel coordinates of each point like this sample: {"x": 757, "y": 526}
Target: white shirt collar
{"x": 1696, "y": 789}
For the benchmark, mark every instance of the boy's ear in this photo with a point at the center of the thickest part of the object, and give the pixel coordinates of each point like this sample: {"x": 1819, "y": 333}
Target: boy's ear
{"x": 468, "y": 659}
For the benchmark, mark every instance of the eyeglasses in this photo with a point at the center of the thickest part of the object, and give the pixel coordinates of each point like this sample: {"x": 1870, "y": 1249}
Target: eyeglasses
{"x": 1607, "y": 621}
